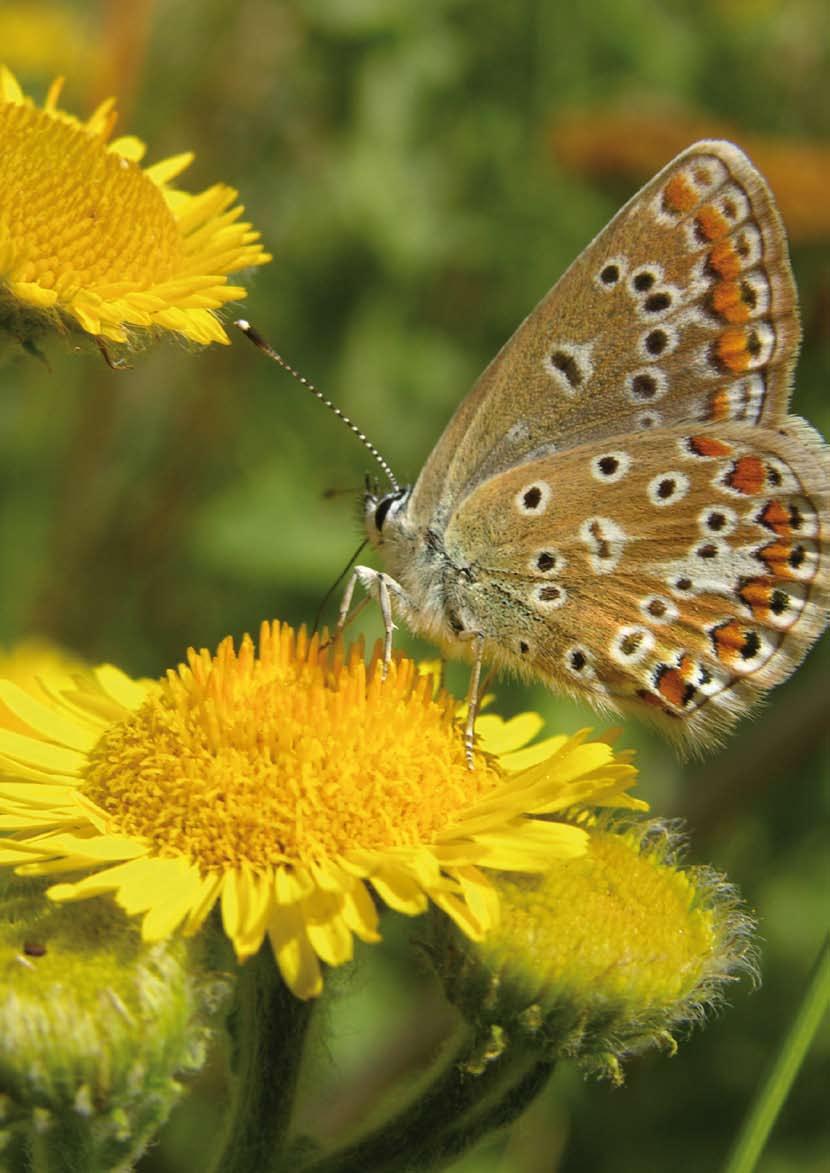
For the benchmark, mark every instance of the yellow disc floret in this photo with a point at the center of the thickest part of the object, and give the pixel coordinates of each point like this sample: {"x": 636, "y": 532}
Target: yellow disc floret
{"x": 279, "y": 758}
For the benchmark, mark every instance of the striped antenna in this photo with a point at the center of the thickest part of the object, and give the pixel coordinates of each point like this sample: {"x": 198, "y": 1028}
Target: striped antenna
{"x": 262, "y": 345}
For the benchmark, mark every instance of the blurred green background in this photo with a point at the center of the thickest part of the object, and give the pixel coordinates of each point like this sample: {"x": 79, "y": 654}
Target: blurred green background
{"x": 422, "y": 172}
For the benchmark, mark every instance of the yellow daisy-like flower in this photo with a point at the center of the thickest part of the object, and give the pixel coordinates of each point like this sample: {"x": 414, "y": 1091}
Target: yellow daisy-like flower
{"x": 284, "y": 781}
{"x": 90, "y": 239}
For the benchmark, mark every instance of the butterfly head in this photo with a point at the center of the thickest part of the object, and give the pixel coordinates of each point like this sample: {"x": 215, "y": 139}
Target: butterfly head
{"x": 381, "y": 509}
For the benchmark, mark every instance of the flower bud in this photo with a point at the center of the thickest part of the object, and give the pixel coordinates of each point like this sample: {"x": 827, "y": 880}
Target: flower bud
{"x": 603, "y": 956}
{"x": 95, "y": 1029}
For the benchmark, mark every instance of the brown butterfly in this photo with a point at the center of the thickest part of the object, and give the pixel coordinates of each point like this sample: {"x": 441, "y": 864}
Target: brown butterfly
{"x": 622, "y": 506}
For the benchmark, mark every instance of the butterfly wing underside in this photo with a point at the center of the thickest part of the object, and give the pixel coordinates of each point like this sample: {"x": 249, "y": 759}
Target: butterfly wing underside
{"x": 682, "y": 308}
{"x": 681, "y": 573}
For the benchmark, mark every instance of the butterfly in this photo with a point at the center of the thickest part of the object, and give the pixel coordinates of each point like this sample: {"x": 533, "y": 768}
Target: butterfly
{"x": 623, "y": 507}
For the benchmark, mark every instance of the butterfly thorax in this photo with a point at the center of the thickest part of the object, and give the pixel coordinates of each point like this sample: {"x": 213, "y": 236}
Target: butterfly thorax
{"x": 437, "y": 582}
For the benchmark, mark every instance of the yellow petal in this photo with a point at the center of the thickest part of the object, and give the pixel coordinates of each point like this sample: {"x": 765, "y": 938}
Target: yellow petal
{"x": 165, "y": 916}
{"x": 480, "y": 895}
{"x": 10, "y": 90}
{"x": 292, "y": 885}
{"x": 460, "y": 912}
{"x": 44, "y": 718}
{"x": 167, "y": 169}
{"x": 129, "y": 147}
{"x": 497, "y": 736}
{"x": 399, "y": 890}
{"x": 360, "y": 913}
{"x": 296, "y": 959}
{"x": 98, "y": 883}
{"x": 32, "y": 751}
{"x": 327, "y": 932}
{"x": 210, "y": 888}
{"x": 116, "y": 684}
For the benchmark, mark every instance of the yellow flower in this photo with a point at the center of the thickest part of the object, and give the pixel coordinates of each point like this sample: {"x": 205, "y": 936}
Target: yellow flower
{"x": 89, "y": 239}
{"x": 283, "y": 781}
{"x": 603, "y": 956}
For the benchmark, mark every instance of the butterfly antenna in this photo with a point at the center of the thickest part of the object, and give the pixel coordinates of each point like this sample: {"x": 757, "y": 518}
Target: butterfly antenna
{"x": 262, "y": 345}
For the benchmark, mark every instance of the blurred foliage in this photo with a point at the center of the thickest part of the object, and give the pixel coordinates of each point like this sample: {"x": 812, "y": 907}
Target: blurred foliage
{"x": 401, "y": 163}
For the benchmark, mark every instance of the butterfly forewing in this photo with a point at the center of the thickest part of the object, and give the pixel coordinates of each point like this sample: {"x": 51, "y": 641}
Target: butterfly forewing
{"x": 682, "y": 309}
{"x": 682, "y": 573}
{"x": 622, "y": 506}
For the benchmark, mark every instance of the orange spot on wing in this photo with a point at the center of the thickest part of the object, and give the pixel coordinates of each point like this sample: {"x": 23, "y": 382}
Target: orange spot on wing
{"x": 673, "y": 687}
{"x": 747, "y": 475}
{"x": 686, "y": 666}
{"x": 731, "y": 349}
{"x": 727, "y": 300}
{"x": 776, "y": 516}
{"x": 711, "y": 223}
{"x": 756, "y": 593}
{"x": 729, "y": 640}
{"x": 679, "y": 195}
{"x": 654, "y": 702}
{"x": 724, "y": 260}
{"x": 776, "y": 556}
{"x": 709, "y": 446}
{"x": 719, "y": 407}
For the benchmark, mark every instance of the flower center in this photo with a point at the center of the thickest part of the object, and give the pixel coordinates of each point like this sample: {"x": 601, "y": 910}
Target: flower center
{"x": 285, "y": 757}
{"x": 78, "y": 215}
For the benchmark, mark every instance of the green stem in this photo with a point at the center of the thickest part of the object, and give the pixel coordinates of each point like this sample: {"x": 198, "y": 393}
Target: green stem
{"x": 268, "y": 1028}
{"x": 454, "y": 1112}
{"x": 763, "y": 1113}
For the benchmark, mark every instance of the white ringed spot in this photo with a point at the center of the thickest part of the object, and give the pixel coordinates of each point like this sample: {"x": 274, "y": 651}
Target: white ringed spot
{"x": 755, "y": 293}
{"x": 532, "y": 499}
{"x": 605, "y": 540}
{"x": 631, "y": 644}
{"x": 718, "y": 520}
{"x": 610, "y": 467}
{"x": 611, "y": 274}
{"x": 570, "y": 365}
{"x": 662, "y": 301}
{"x": 733, "y": 205}
{"x": 547, "y": 560}
{"x": 549, "y": 597}
{"x": 578, "y": 662}
{"x": 747, "y": 246}
{"x": 658, "y": 342}
{"x": 658, "y": 609}
{"x": 681, "y": 585}
{"x": 646, "y": 385}
{"x": 668, "y": 488}
{"x": 709, "y": 551}
{"x": 705, "y": 174}
{"x": 644, "y": 278}
{"x": 646, "y": 421}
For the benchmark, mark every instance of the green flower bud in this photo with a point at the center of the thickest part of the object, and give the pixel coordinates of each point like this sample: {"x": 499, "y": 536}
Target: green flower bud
{"x": 601, "y": 957}
{"x": 95, "y": 1029}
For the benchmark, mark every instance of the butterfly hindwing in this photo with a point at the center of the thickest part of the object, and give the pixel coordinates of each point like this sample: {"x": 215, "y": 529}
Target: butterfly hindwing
{"x": 680, "y": 574}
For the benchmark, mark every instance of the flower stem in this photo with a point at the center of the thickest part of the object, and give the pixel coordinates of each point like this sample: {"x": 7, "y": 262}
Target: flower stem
{"x": 268, "y": 1027}
{"x": 764, "y": 1111}
{"x": 454, "y": 1112}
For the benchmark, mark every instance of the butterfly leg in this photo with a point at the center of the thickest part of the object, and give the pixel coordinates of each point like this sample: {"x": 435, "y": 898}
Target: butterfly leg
{"x": 386, "y": 591}
{"x": 473, "y": 695}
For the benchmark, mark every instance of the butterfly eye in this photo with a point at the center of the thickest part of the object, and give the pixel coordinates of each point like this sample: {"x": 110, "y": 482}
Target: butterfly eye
{"x": 386, "y": 504}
